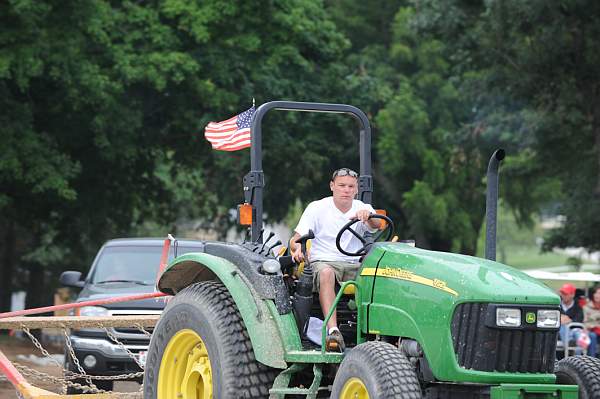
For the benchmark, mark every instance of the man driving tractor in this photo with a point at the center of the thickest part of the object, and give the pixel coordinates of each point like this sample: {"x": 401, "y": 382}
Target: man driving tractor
{"x": 325, "y": 218}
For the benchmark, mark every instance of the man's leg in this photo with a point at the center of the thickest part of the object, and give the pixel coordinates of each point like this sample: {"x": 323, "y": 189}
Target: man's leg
{"x": 327, "y": 294}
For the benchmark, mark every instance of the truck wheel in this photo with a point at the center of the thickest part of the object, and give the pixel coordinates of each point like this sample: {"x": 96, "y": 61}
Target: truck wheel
{"x": 583, "y": 371}
{"x": 376, "y": 370}
{"x": 200, "y": 349}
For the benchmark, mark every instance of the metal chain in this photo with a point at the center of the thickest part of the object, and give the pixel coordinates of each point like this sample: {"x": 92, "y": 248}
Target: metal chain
{"x": 117, "y": 377}
{"x": 144, "y": 331}
{"x": 122, "y": 346}
{"x": 28, "y": 371}
{"x": 83, "y": 374}
{"x": 71, "y": 351}
{"x": 25, "y": 370}
{"x": 37, "y": 344}
{"x": 149, "y": 335}
{"x": 70, "y": 375}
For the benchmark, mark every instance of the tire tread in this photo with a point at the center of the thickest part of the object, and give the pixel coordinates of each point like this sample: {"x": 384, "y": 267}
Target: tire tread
{"x": 395, "y": 374}
{"x": 250, "y": 378}
{"x": 584, "y": 371}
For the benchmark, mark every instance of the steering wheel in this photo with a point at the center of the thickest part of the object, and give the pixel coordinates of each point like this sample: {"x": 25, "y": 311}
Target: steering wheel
{"x": 366, "y": 242}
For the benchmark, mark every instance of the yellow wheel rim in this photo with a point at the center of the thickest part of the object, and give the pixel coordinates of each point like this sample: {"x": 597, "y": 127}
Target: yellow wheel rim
{"x": 185, "y": 371}
{"x": 354, "y": 388}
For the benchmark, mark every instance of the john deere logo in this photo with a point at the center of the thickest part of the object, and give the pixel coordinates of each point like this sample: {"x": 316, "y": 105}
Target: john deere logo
{"x": 530, "y": 317}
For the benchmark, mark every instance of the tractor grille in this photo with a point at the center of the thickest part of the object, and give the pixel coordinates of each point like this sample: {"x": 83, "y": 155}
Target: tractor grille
{"x": 479, "y": 347}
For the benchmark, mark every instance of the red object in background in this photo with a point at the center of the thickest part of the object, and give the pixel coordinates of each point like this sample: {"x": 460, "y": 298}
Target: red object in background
{"x": 568, "y": 289}
{"x": 165, "y": 256}
{"x": 82, "y": 304}
{"x": 582, "y": 301}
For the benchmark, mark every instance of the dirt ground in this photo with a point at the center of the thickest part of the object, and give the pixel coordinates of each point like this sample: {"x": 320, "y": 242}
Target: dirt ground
{"x": 12, "y": 347}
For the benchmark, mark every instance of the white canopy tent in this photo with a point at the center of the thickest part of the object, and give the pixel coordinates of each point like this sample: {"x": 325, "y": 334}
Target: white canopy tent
{"x": 583, "y": 280}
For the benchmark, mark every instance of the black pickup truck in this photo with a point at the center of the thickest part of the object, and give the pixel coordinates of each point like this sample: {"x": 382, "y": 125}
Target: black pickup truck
{"x": 126, "y": 266}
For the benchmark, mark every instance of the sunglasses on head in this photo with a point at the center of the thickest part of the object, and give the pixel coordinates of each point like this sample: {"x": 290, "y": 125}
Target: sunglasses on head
{"x": 344, "y": 172}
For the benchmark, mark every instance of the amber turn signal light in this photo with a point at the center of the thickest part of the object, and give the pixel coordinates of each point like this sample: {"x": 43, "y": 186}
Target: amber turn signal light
{"x": 383, "y": 223}
{"x": 245, "y": 214}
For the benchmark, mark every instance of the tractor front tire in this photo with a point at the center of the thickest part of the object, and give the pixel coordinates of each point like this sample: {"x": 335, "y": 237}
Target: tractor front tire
{"x": 583, "y": 371}
{"x": 376, "y": 370}
{"x": 200, "y": 349}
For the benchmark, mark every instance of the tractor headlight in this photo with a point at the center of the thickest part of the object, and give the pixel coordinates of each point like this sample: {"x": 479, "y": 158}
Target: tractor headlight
{"x": 92, "y": 311}
{"x": 271, "y": 266}
{"x": 548, "y": 318}
{"x": 508, "y": 317}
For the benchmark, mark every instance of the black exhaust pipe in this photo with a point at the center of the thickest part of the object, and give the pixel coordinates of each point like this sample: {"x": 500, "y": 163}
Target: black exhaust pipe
{"x": 491, "y": 204}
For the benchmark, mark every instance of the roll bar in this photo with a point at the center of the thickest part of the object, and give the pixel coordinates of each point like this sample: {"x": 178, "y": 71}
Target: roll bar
{"x": 254, "y": 181}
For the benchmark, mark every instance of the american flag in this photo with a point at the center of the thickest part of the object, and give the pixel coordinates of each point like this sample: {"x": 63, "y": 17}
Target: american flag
{"x": 232, "y": 134}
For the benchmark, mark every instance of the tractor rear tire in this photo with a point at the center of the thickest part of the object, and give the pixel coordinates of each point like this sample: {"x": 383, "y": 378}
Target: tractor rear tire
{"x": 376, "y": 370}
{"x": 201, "y": 347}
{"x": 583, "y": 371}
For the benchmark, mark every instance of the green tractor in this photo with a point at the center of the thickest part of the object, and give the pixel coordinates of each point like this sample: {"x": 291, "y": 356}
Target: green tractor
{"x": 418, "y": 323}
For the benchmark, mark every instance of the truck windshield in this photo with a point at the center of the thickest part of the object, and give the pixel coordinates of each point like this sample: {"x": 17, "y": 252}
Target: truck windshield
{"x": 131, "y": 264}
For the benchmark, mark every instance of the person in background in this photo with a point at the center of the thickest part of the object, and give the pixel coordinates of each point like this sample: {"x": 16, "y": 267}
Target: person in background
{"x": 571, "y": 312}
{"x": 591, "y": 318}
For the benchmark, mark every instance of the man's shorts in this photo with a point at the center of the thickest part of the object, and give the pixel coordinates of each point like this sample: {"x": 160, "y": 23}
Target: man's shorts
{"x": 344, "y": 271}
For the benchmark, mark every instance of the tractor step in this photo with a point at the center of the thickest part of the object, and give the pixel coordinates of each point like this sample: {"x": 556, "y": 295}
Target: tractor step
{"x": 314, "y": 356}
{"x": 282, "y": 382}
{"x": 524, "y": 391}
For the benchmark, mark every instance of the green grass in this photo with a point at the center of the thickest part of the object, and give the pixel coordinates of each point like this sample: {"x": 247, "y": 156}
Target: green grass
{"x": 516, "y": 245}
{"x": 531, "y": 258}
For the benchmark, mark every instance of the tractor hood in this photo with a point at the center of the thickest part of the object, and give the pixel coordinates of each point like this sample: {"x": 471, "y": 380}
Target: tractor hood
{"x": 465, "y": 278}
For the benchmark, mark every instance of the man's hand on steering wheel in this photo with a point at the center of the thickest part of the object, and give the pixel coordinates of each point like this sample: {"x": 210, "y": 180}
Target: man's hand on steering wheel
{"x": 365, "y": 216}
{"x": 366, "y": 244}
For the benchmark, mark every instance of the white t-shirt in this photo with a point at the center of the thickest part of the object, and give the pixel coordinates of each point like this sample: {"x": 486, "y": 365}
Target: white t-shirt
{"x": 326, "y": 221}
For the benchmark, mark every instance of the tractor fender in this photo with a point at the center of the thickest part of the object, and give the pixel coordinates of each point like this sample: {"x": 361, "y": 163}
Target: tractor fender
{"x": 259, "y": 320}
{"x": 391, "y": 320}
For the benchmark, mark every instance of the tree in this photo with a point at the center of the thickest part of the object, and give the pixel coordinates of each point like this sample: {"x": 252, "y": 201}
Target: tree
{"x": 430, "y": 157}
{"x": 103, "y": 106}
{"x": 536, "y": 66}
{"x": 427, "y": 144}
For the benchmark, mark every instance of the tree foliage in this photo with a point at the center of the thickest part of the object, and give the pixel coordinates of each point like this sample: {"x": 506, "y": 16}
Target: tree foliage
{"x": 535, "y": 68}
{"x": 103, "y": 106}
